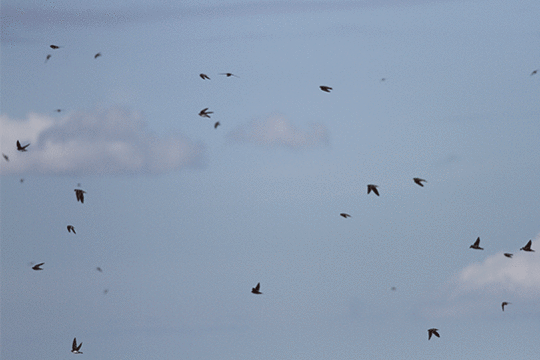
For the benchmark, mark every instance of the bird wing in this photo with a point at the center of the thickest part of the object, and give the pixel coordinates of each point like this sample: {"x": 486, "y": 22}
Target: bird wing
{"x": 79, "y": 347}
{"x": 74, "y": 345}
{"x": 258, "y": 287}
{"x": 477, "y": 242}
{"x": 376, "y": 191}
{"x": 18, "y": 145}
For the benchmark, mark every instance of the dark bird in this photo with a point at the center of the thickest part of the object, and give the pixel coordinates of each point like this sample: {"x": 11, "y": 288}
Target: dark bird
{"x": 22, "y": 180}
{"x": 476, "y": 245}
{"x": 216, "y": 125}
{"x": 37, "y": 267}
{"x": 105, "y": 291}
{"x": 55, "y": 47}
{"x": 393, "y": 288}
{"x": 504, "y": 304}
{"x": 58, "y": 110}
{"x": 99, "y": 269}
{"x": 74, "y": 348}
{"x": 80, "y": 195}
{"x": 21, "y": 148}
{"x": 419, "y": 181}
{"x": 256, "y": 289}
{"x": 205, "y": 113}
{"x": 5, "y": 157}
{"x": 527, "y": 247}
{"x": 508, "y": 255}
{"x": 325, "y": 88}
{"x": 433, "y": 331}
{"x": 71, "y": 228}
{"x": 373, "y": 188}
{"x": 97, "y": 55}
{"x": 345, "y": 215}
{"x": 534, "y": 72}
{"x": 229, "y": 74}
{"x": 204, "y": 76}
{"x": 48, "y": 57}
{"x": 383, "y": 79}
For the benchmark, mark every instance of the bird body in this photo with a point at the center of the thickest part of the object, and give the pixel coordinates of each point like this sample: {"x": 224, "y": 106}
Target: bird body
{"x": 345, "y": 215}
{"x": 37, "y": 267}
{"x": 70, "y": 228}
{"x": 97, "y": 55}
{"x": 216, "y": 125}
{"x": 55, "y": 47}
{"x": 433, "y": 331}
{"x": 205, "y": 113}
{"x": 476, "y": 245}
{"x": 22, "y": 148}
{"x": 325, "y": 88}
{"x": 256, "y": 289}
{"x": 80, "y": 195}
{"x": 504, "y": 304}
{"x": 204, "y": 76}
{"x": 229, "y": 74}
{"x": 527, "y": 247}
{"x": 373, "y": 188}
{"x": 74, "y": 348}
{"x": 48, "y": 57}
{"x": 5, "y": 157}
{"x": 508, "y": 255}
{"x": 419, "y": 181}
{"x": 534, "y": 72}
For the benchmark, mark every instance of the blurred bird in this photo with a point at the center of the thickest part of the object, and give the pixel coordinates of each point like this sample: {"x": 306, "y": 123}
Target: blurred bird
{"x": 256, "y": 289}
{"x": 70, "y": 228}
{"x": 205, "y": 113}
{"x": 419, "y": 181}
{"x": 216, "y": 125}
{"x": 476, "y": 245}
{"x": 80, "y": 195}
{"x": 97, "y": 55}
{"x": 325, "y": 88}
{"x": 99, "y": 269}
{"x": 508, "y": 255}
{"x": 204, "y": 76}
{"x": 55, "y": 47}
{"x": 58, "y": 110}
{"x": 21, "y": 148}
{"x": 383, "y": 79}
{"x": 48, "y": 57}
{"x": 229, "y": 75}
{"x": 504, "y": 304}
{"x": 21, "y": 181}
{"x": 345, "y": 215}
{"x": 393, "y": 288}
{"x": 373, "y": 188}
{"x": 74, "y": 348}
{"x": 534, "y": 72}
{"x": 37, "y": 267}
{"x": 5, "y": 157}
{"x": 433, "y": 331}
{"x": 105, "y": 291}
{"x": 527, "y": 247}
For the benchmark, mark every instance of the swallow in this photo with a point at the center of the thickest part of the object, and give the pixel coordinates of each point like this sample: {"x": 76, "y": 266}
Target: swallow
{"x": 256, "y": 289}
{"x": 504, "y": 304}
{"x": 216, "y": 125}
{"x": 345, "y": 215}
{"x": 5, "y": 157}
{"x": 373, "y": 188}
{"x": 433, "y": 331}
{"x": 204, "y": 76}
{"x": 229, "y": 74}
{"x": 508, "y": 255}
{"x": 22, "y": 180}
{"x": 99, "y": 269}
{"x": 21, "y": 148}
{"x": 534, "y": 72}
{"x": 48, "y": 57}
{"x": 80, "y": 195}
{"x": 37, "y": 267}
{"x": 55, "y": 47}
{"x": 205, "y": 113}
{"x": 419, "y": 181}
{"x": 97, "y": 55}
{"x": 74, "y": 348}
{"x": 527, "y": 247}
{"x": 476, "y": 245}
{"x": 70, "y": 228}
{"x": 325, "y": 88}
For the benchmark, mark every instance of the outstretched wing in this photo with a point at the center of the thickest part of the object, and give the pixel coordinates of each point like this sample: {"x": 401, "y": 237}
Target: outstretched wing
{"x": 74, "y": 345}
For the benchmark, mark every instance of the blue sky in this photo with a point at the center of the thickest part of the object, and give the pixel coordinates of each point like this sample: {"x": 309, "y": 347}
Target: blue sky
{"x": 185, "y": 219}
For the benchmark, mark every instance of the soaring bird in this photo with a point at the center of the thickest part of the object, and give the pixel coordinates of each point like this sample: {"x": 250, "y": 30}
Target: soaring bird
{"x": 204, "y": 76}
{"x": 256, "y": 289}
{"x": 216, "y": 125}
{"x": 55, "y": 47}
{"x": 74, "y": 348}
{"x": 508, "y": 255}
{"x": 229, "y": 75}
{"x": 325, "y": 88}
{"x": 205, "y": 113}
{"x": 476, "y": 245}
{"x": 80, "y": 195}
{"x": 433, "y": 331}
{"x": 21, "y": 148}
{"x": 37, "y": 267}
{"x": 71, "y": 228}
{"x": 419, "y": 181}
{"x": 345, "y": 215}
{"x": 534, "y": 72}
{"x": 504, "y": 304}
{"x": 97, "y": 55}
{"x": 373, "y": 188}
{"x": 527, "y": 247}
{"x": 5, "y": 157}
{"x": 48, "y": 57}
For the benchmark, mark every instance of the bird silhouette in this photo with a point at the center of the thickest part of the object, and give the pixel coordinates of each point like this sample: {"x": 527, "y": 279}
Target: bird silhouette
{"x": 205, "y": 113}
{"x": 37, "y": 267}
{"x": 504, "y": 304}
{"x": 80, "y": 195}
{"x": 105, "y": 291}
{"x": 22, "y": 180}
{"x": 229, "y": 75}
{"x": 373, "y": 188}
{"x": 74, "y": 348}
{"x": 55, "y": 47}
{"x": 70, "y": 228}
{"x": 97, "y": 55}
{"x": 5, "y": 157}
{"x": 476, "y": 245}
{"x": 204, "y": 76}
{"x": 216, "y": 125}
{"x": 48, "y": 57}
{"x": 527, "y": 247}
{"x": 325, "y": 88}
{"x": 433, "y": 331}
{"x": 99, "y": 269}
{"x": 345, "y": 215}
{"x": 419, "y": 181}
{"x": 508, "y": 255}
{"x": 256, "y": 289}
{"x": 534, "y": 72}
{"x": 21, "y": 148}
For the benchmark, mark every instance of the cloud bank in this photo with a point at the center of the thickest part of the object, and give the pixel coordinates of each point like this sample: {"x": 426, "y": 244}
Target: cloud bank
{"x": 109, "y": 141}
{"x": 278, "y": 131}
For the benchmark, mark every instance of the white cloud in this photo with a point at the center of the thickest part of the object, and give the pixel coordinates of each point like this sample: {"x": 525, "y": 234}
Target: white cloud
{"x": 109, "y": 141}
{"x": 278, "y": 131}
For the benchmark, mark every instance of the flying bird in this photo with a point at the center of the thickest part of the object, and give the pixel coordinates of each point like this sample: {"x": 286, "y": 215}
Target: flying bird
{"x": 419, "y": 181}
{"x": 97, "y": 55}
{"x": 433, "y": 331}
{"x": 205, "y": 113}
{"x": 37, "y": 267}
{"x": 325, "y": 88}
{"x": 534, "y": 72}
{"x": 105, "y": 291}
{"x": 345, "y": 215}
{"x": 373, "y": 188}
{"x": 508, "y": 255}
{"x": 256, "y": 289}
{"x": 22, "y": 180}
{"x": 99, "y": 269}
{"x": 216, "y": 125}
{"x": 58, "y": 110}
{"x": 393, "y": 288}
{"x": 80, "y": 195}
{"x": 5, "y": 157}
{"x": 204, "y": 76}
{"x": 229, "y": 74}
{"x": 504, "y": 304}
{"x": 383, "y": 79}
{"x": 74, "y": 348}
{"x": 476, "y": 245}
{"x": 70, "y": 228}
{"x": 21, "y": 148}
{"x": 527, "y": 247}
{"x": 55, "y": 47}
{"x": 48, "y": 57}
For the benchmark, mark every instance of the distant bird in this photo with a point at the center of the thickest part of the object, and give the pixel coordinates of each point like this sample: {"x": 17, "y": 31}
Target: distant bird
{"x": 534, "y": 72}
{"x": 393, "y": 288}
{"x": 21, "y": 181}
{"x": 55, "y": 47}
{"x": 97, "y": 55}
{"x": 345, "y": 215}
{"x": 383, "y": 79}
{"x": 419, "y": 181}
{"x": 205, "y": 113}
{"x": 216, "y": 125}
{"x": 229, "y": 75}
{"x": 21, "y": 148}
{"x": 508, "y": 255}
{"x": 105, "y": 291}
{"x": 70, "y": 228}
{"x": 256, "y": 289}
{"x": 527, "y": 247}
{"x": 48, "y": 57}
{"x": 373, "y": 188}
{"x": 433, "y": 331}
{"x": 99, "y": 269}
{"x": 476, "y": 245}
{"x": 74, "y": 348}
{"x": 80, "y": 195}
{"x": 325, "y": 88}
{"x": 5, "y": 157}
{"x": 58, "y": 110}
{"x": 504, "y": 304}
{"x": 204, "y": 76}
{"x": 37, "y": 267}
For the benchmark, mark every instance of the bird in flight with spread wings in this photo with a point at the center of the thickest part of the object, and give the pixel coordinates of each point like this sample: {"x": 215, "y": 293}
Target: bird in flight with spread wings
{"x": 256, "y": 289}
